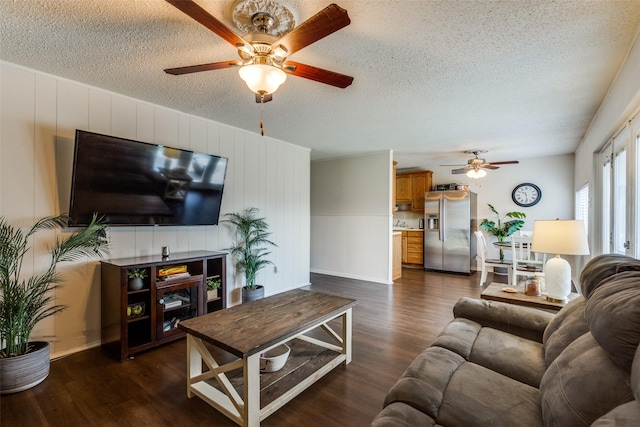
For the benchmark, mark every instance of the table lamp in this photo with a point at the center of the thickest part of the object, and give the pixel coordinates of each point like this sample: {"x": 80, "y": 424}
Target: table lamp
{"x": 559, "y": 237}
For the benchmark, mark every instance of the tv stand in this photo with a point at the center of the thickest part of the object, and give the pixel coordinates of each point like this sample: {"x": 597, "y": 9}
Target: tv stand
{"x": 135, "y": 320}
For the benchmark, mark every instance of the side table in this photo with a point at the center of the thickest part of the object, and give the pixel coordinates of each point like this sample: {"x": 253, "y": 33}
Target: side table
{"x": 494, "y": 292}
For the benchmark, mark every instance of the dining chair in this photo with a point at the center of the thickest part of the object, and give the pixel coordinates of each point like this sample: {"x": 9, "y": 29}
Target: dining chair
{"x": 487, "y": 263}
{"x": 525, "y": 262}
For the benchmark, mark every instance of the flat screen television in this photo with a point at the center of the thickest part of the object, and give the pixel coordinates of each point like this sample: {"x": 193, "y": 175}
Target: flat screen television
{"x": 136, "y": 183}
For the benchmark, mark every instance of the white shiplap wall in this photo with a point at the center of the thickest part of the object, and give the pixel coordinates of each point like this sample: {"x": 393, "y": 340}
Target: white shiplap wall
{"x": 38, "y": 118}
{"x": 351, "y": 217}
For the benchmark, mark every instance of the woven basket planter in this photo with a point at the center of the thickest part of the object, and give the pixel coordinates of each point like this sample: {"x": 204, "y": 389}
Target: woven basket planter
{"x": 23, "y": 372}
{"x": 249, "y": 295}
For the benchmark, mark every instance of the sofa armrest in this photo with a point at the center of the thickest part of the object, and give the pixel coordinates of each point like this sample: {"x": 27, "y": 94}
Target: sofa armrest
{"x": 522, "y": 321}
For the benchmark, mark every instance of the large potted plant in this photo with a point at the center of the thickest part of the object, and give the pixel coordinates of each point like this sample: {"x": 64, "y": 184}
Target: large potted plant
{"x": 250, "y": 249}
{"x": 503, "y": 229}
{"x": 26, "y": 301}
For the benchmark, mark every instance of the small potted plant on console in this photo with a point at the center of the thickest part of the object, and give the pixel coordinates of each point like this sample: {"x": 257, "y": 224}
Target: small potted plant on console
{"x": 250, "y": 249}
{"x": 136, "y": 276}
{"x": 212, "y": 288}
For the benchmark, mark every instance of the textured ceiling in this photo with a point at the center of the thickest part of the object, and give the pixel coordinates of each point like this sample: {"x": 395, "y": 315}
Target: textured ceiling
{"x": 432, "y": 78}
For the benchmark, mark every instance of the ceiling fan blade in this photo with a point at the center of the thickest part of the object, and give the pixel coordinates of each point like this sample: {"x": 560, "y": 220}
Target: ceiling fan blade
{"x": 267, "y": 97}
{"x": 317, "y": 74}
{"x": 205, "y": 18}
{"x": 202, "y": 67}
{"x": 458, "y": 164}
{"x": 459, "y": 171}
{"x": 489, "y": 166}
{"x": 509, "y": 162}
{"x": 327, "y": 21}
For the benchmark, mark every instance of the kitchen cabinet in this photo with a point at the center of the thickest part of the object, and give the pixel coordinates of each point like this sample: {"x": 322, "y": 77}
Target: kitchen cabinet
{"x": 410, "y": 189}
{"x": 412, "y": 247}
{"x": 404, "y": 246}
{"x": 415, "y": 241}
{"x": 397, "y": 255}
{"x": 135, "y": 320}
{"x": 403, "y": 189}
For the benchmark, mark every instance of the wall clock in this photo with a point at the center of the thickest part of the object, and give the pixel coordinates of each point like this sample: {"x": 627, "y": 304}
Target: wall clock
{"x": 526, "y": 194}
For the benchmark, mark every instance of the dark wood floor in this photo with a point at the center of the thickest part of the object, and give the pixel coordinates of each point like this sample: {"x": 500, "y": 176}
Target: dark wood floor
{"x": 391, "y": 326}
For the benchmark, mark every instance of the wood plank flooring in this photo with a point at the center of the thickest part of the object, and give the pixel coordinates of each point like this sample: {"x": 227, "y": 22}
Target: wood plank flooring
{"x": 391, "y": 326}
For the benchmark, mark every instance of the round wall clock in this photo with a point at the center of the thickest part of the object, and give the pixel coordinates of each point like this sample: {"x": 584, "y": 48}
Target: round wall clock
{"x": 526, "y": 194}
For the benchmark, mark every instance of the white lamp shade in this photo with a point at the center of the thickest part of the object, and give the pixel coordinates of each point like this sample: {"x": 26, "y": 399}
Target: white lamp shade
{"x": 262, "y": 78}
{"x": 559, "y": 238}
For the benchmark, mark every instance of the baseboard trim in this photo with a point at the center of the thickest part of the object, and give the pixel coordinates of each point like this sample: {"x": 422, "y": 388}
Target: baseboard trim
{"x": 350, "y": 276}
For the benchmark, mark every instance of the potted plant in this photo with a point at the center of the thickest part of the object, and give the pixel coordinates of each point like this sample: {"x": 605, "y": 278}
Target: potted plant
{"x": 136, "y": 276}
{"x": 502, "y": 228}
{"x": 250, "y": 249}
{"x": 26, "y": 301}
{"x": 212, "y": 288}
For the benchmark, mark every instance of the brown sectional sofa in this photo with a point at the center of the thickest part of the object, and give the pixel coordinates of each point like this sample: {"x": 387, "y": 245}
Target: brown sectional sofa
{"x": 498, "y": 364}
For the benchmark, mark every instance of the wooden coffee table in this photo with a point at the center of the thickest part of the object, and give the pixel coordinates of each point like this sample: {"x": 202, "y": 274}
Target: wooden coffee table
{"x": 236, "y": 388}
{"x": 494, "y": 292}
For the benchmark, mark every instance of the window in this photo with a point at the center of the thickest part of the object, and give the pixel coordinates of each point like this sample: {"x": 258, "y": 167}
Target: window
{"x": 582, "y": 206}
{"x": 619, "y": 201}
{"x": 615, "y": 212}
{"x": 605, "y": 237}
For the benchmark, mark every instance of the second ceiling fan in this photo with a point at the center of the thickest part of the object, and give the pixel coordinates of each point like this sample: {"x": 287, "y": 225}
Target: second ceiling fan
{"x": 475, "y": 167}
{"x": 264, "y": 57}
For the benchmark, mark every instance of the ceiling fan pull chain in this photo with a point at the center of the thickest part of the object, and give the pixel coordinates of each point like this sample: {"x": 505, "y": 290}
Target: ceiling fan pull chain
{"x": 262, "y": 114}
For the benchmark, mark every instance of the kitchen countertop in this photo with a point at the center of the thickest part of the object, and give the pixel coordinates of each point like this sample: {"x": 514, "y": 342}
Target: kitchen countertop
{"x": 407, "y": 229}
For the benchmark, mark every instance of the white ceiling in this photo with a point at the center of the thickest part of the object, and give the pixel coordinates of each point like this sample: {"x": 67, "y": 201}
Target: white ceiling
{"x": 521, "y": 79}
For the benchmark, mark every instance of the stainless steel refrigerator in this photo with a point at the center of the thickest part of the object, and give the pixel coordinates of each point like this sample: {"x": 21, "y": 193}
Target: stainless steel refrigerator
{"x": 450, "y": 218}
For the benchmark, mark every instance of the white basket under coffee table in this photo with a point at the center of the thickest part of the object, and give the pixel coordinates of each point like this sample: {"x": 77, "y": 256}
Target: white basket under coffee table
{"x": 247, "y": 330}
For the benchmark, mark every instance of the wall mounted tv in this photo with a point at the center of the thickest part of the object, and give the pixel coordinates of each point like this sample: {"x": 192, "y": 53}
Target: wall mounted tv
{"x": 136, "y": 183}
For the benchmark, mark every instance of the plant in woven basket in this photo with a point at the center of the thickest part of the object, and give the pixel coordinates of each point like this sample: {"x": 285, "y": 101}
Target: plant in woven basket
{"x": 26, "y": 301}
{"x": 251, "y": 242}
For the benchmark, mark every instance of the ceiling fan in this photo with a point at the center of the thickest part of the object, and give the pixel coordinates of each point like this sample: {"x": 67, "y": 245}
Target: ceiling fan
{"x": 475, "y": 167}
{"x": 263, "y": 56}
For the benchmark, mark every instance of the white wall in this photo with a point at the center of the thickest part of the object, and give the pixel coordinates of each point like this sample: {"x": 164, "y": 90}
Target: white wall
{"x": 40, "y": 113}
{"x": 350, "y": 217}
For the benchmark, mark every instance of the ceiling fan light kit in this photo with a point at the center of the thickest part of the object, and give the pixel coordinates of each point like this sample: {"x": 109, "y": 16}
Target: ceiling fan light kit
{"x": 261, "y": 78}
{"x": 269, "y": 37}
{"x": 476, "y": 173}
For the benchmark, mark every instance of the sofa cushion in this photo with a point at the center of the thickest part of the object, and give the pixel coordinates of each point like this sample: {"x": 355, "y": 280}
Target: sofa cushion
{"x": 627, "y": 415}
{"x": 459, "y": 336}
{"x": 602, "y": 267}
{"x": 522, "y": 321}
{"x": 477, "y": 396}
{"x": 613, "y": 315}
{"x": 564, "y": 328}
{"x": 399, "y": 414}
{"x": 582, "y": 384}
{"x": 510, "y": 355}
{"x": 423, "y": 383}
